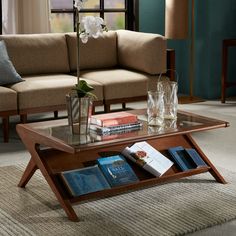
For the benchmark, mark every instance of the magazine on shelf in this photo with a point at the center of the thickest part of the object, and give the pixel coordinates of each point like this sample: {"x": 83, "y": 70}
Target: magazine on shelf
{"x": 186, "y": 159}
{"x": 117, "y": 170}
{"x": 114, "y": 119}
{"x": 148, "y": 158}
{"x": 118, "y": 128}
{"x": 85, "y": 180}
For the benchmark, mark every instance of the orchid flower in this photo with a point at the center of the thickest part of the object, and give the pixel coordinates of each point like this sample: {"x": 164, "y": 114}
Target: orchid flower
{"x": 91, "y": 27}
{"x": 79, "y": 4}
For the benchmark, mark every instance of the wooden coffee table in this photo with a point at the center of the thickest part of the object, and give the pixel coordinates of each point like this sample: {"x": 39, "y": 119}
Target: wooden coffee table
{"x": 54, "y": 149}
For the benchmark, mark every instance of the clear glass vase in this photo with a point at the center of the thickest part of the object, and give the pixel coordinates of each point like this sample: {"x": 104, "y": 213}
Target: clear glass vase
{"x": 155, "y": 108}
{"x": 79, "y": 113}
{"x": 170, "y": 90}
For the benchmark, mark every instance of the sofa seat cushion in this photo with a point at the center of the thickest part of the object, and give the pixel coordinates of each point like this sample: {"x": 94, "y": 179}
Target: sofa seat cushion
{"x": 96, "y": 53}
{"x": 144, "y": 52}
{"x": 8, "y": 99}
{"x": 33, "y": 54}
{"x": 119, "y": 83}
{"x": 48, "y": 90}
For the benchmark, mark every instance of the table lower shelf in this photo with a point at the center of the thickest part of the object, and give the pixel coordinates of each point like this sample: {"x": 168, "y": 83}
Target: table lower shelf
{"x": 144, "y": 183}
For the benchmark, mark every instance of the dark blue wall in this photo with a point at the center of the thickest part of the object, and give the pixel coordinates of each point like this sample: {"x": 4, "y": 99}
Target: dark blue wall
{"x": 215, "y": 20}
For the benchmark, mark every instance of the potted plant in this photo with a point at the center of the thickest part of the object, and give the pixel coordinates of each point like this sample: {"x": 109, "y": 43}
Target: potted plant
{"x": 79, "y": 102}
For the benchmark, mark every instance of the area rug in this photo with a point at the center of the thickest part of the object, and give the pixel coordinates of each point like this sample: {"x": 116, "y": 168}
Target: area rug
{"x": 175, "y": 208}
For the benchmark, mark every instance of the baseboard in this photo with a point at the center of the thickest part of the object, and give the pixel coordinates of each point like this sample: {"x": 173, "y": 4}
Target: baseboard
{"x": 183, "y": 99}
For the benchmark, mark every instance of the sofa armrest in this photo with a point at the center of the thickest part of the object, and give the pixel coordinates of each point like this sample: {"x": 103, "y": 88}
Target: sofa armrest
{"x": 145, "y": 52}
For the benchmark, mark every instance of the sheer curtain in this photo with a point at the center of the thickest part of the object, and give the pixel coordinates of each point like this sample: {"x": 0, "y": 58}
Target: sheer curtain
{"x": 26, "y": 16}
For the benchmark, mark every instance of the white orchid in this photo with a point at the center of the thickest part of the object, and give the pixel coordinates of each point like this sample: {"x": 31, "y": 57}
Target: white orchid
{"x": 91, "y": 27}
{"x": 79, "y": 4}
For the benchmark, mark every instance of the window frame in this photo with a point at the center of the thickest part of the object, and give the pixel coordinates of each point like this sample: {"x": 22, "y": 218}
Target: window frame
{"x": 131, "y": 11}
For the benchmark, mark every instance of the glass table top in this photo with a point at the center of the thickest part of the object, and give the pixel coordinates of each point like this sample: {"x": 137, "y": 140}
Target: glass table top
{"x": 185, "y": 123}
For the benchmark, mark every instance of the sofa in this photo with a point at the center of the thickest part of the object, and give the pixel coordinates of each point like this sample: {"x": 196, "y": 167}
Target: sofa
{"x": 121, "y": 66}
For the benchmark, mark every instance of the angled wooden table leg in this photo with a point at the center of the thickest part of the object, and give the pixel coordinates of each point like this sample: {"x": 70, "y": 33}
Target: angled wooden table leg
{"x": 30, "y": 170}
{"x": 37, "y": 163}
{"x": 214, "y": 172}
{"x": 28, "y": 173}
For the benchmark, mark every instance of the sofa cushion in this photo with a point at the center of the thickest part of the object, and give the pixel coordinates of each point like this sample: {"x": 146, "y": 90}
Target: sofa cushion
{"x": 48, "y": 90}
{"x": 120, "y": 83}
{"x": 38, "y": 53}
{"x": 8, "y": 74}
{"x": 141, "y": 51}
{"x": 96, "y": 53}
{"x": 8, "y": 99}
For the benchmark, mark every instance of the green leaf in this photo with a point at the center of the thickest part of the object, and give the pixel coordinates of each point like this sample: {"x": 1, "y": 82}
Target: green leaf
{"x": 83, "y": 89}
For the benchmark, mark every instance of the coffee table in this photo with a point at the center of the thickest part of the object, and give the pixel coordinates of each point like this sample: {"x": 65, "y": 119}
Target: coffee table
{"x": 54, "y": 149}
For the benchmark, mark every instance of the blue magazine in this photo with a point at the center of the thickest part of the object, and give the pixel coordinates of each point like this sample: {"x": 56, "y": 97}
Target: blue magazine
{"x": 196, "y": 157}
{"x": 186, "y": 159}
{"x": 85, "y": 180}
{"x": 117, "y": 170}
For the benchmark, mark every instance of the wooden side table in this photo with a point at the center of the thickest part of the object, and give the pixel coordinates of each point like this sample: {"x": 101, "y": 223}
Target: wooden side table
{"x": 224, "y": 84}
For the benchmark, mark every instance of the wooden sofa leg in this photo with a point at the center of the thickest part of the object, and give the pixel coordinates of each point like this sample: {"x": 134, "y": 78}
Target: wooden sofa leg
{"x": 123, "y": 105}
{"x": 93, "y": 110}
{"x": 23, "y": 118}
{"x": 5, "y": 124}
{"x": 107, "y": 108}
{"x": 55, "y": 114}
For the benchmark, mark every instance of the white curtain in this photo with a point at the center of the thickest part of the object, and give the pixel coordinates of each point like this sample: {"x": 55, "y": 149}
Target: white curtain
{"x": 26, "y": 16}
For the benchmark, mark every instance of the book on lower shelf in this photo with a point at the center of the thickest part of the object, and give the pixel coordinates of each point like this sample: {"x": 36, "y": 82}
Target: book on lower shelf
{"x": 85, "y": 180}
{"x": 186, "y": 159}
{"x": 117, "y": 170}
{"x": 113, "y": 119}
{"x": 148, "y": 158}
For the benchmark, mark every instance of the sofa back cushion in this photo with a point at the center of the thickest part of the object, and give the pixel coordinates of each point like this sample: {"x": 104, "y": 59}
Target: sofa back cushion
{"x": 37, "y": 53}
{"x": 142, "y": 51}
{"x": 95, "y": 54}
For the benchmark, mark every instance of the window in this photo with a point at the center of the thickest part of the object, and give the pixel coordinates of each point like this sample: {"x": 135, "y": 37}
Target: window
{"x": 118, "y": 14}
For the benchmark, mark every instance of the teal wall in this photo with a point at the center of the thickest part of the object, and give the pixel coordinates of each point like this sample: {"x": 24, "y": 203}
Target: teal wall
{"x": 215, "y": 20}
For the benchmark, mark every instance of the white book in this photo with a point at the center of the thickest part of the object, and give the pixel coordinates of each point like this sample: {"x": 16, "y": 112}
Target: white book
{"x": 148, "y": 157}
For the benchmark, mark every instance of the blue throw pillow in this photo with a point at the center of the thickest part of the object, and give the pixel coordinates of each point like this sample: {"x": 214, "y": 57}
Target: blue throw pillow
{"x": 8, "y": 74}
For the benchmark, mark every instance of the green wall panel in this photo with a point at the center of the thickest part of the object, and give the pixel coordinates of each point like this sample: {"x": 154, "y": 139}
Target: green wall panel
{"x": 215, "y": 20}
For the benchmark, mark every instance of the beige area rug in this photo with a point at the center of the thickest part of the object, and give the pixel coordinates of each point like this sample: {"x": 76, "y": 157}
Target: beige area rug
{"x": 175, "y": 208}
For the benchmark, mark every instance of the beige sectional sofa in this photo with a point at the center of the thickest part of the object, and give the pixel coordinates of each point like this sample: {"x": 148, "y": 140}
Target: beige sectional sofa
{"x": 121, "y": 65}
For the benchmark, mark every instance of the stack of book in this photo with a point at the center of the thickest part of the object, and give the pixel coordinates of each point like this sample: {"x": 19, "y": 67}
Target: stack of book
{"x": 116, "y": 122}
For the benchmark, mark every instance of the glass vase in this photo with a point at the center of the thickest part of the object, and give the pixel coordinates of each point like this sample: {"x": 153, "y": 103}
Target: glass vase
{"x": 155, "y": 108}
{"x": 79, "y": 113}
{"x": 169, "y": 89}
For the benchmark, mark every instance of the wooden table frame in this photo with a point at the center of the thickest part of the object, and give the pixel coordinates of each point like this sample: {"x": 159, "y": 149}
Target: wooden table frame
{"x": 61, "y": 156}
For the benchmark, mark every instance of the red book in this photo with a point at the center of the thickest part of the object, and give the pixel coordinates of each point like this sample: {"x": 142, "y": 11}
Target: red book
{"x": 113, "y": 119}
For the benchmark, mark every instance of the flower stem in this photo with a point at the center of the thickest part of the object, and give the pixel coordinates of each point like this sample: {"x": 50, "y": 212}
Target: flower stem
{"x": 78, "y": 43}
